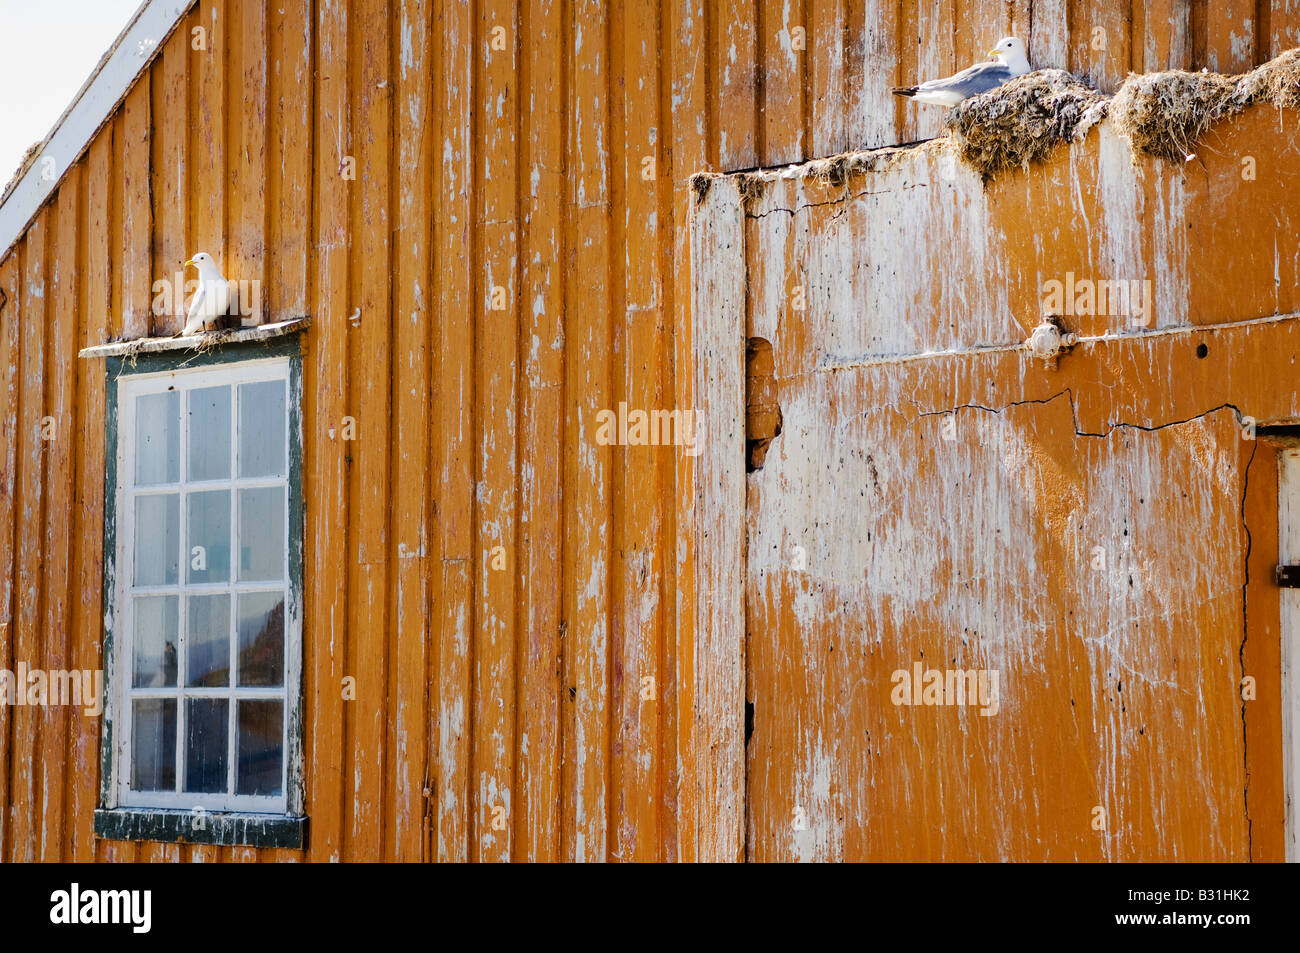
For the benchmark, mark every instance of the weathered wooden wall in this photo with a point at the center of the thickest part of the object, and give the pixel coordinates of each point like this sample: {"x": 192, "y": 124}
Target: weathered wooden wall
{"x": 938, "y": 496}
{"x": 520, "y": 166}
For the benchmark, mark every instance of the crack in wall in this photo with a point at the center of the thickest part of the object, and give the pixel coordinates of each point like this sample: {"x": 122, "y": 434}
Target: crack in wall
{"x": 1245, "y": 488}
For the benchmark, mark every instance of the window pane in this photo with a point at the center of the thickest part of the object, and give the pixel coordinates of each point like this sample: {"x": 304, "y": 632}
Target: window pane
{"x": 157, "y": 539}
{"x": 261, "y": 534}
{"x": 153, "y": 744}
{"x": 156, "y": 622}
{"x": 262, "y": 422}
{"x": 261, "y": 638}
{"x": 209, "y": 434}
{"x": 207, "y": 728}
{"x": 207, "y": 641}
{"x": 261, "y": 752}
{"x": 157, "y": 438}
{"x": 209, "y": 540}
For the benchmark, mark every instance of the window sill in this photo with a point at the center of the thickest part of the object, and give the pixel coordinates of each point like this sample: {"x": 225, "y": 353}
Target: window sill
{"x": 223, "y": 830}
{"x": 262, "y": 332}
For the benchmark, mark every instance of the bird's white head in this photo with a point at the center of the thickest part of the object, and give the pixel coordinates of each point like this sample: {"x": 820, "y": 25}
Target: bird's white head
{"x": 1010, "y": 52}
{"x": 205, "y": 264}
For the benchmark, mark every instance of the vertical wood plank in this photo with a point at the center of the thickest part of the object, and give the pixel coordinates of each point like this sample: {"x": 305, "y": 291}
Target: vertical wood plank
{"x": 716, "y": 628}
{"x": 289, "y": 159}
{"x": 735, "y": 51}
{"x": 136, "y": 263}
{"x": 455, "y": 415}
{"x": 24, "y": 806}
{"x": 1283, "y": 31}
{"x": 94, "y": 297}
{"x": 588, "y": 470}
{"x": 537, "y": 789}
{"x": 371, "y": 358}
{"x": 637, "y": 755}
{"x": 10, "y": 382}
{"x": 168, "y": 143}
{"x": 690, "y": 153}
{"x": 872, "y": 66}
{"x": 1162, "y": 32}
{"x": 1230, "y": 35}
{"x": 326, "y": 388}
{"x": 208, "y": 135}
{"x": 412, "y": 328}
{"x": 785, "y": 55}
{"x": 246, "y": 156}
{"x": 496, "y": 365}
{"x": 58, "y": 435}
{"x": 829, "y": 43}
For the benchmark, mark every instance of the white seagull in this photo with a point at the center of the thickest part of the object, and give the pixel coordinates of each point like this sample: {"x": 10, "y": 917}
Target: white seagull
{"x": 1010, "y": 62}
{"x": 212, "y": 299}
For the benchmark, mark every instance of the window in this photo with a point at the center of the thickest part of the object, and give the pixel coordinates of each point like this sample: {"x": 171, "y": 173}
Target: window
{"x": 205, "y": 607}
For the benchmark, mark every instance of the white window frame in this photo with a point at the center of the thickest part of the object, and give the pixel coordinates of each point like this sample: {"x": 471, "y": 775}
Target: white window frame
{"x": 121, "y": 693}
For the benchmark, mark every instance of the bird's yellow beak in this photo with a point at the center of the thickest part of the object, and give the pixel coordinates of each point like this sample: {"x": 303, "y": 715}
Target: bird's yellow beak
{"x": 188, "y": 262}
{"x": 993, "y": 52}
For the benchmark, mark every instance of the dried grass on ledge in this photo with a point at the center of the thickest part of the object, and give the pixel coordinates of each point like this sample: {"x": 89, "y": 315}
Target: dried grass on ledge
{"x": 1165, "y": 114}
{"x": 1022, "y": 121}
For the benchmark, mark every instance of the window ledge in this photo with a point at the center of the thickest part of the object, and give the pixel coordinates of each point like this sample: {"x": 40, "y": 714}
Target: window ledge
{"x": 223, "y": 830}
{"x": 196, "y": 342}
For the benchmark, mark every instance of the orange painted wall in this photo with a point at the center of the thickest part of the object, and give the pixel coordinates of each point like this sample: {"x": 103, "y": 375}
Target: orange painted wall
{"x": 520, "y": 168}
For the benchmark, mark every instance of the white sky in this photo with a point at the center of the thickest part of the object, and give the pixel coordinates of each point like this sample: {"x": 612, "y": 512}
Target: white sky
{"x": 47, "y": 50}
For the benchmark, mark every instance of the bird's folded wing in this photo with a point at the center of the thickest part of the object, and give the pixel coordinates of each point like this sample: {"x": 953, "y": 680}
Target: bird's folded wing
{"x": 979, "y": 78}
{"x": 196, "y": 304}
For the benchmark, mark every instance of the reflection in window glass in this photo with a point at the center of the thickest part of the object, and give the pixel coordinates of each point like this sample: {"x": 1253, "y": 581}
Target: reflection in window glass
{"x": 207, "y": 641}
{"x": 261, "y": 638}
{"x": 153, "y": 743}
{"x": 207, "y": 729}
{"x": 261, "y": 747}
{"x": 156, "y": 638}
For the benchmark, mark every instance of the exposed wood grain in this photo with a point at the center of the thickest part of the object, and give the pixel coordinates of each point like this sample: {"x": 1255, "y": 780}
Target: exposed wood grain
{"x": 29, "y": 549}
{"x": 589, "y": 466}
{"x": 169, "y": 183}
{"x": 717, "y": 624}
{"x": 326, "y": 391}
{"x": 496, "y": 464}
{"x": 10, "y": 384}
{"x": 1231, "y": 33}
{"x": 456, "y": 307}
{"x": 134, "y": 296}
{"x": 93, "y": 303}
{"x": 537, "y": 784}
{"x": 59, "y": 436}
{"x": 371, "y": 358}
{"x": 412, "y": 330}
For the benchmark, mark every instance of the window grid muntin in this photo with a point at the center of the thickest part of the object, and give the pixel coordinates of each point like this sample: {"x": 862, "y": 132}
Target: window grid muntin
{"x": 185, "y": 382}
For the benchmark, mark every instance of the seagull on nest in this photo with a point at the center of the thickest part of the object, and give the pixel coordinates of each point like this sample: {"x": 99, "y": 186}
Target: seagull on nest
{"x": 1010, "y": 62}
{"x": 211, "y": 301}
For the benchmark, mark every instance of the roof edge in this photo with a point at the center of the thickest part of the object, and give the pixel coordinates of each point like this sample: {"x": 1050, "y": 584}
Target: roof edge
{"x": 119, "y": 68}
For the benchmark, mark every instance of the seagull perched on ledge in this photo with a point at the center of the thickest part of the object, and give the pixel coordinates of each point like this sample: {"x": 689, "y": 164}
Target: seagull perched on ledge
{"x": 211, "y": 301}
{"x": 1010, "y": 62}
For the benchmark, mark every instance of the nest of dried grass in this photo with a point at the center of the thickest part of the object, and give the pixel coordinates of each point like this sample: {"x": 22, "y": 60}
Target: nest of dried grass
{"x": 1166, "y": 114}
{"x": 1022, "y": 121}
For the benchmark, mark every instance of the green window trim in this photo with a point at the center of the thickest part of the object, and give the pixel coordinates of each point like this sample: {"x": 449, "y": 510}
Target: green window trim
{"x": 115, "y": 822}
